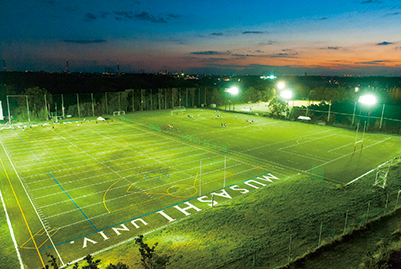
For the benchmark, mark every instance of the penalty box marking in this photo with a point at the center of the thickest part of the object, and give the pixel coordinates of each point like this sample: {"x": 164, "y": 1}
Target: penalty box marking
{"x": 162, "y": 194}
{"x": 38, "y": 234}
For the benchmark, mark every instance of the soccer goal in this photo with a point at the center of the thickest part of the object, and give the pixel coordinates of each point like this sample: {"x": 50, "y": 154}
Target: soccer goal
{"x": 381, "y": 178}
{"x": 178, "y": 110}
{"x": 118, "y": 113}
{"x": 383, "y": 170}
{"x": 358, "y": 137}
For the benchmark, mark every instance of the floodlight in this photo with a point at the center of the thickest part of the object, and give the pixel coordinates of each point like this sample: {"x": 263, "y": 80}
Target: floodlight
{"x": 281, "y": 85}
{"x": 368, "y": 99}
{"x": 356, "y": 89}
{"x": 287, "y": 94}
{"x": 233, "y": 90}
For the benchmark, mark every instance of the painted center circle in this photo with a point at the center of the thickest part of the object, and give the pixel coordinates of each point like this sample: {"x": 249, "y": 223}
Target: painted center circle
{"x": 182, "y": 190}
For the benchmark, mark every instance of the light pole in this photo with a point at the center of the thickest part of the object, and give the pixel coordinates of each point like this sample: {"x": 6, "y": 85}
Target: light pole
{"x": 233, "y": 91}
{"x": 369, "y": 100}
{"x": 286, "y": 95}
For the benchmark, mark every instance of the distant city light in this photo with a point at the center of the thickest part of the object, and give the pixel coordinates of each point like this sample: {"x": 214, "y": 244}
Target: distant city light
{"x": 281, "y": 85}
{"x": 287, "y": 94}
{"x": 233, "y": 90}
{"x": 368, "y": 99}
{"x": 268, "y": 77}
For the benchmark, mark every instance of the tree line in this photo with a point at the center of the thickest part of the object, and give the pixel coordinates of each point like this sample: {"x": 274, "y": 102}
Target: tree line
{"x": 37, "y": 104}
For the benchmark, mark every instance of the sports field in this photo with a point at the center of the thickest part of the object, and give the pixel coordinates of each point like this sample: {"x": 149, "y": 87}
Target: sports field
{"x": 79, "y": 187}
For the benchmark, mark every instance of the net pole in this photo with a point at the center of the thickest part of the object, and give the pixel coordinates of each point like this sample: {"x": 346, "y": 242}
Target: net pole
{"x": 107, "y": 108}
{"x": 363, "y": 134}
{"x": 205, "y": 98}
{"x": 93, "y": 107}
{"x": 141, "y": 99}
{"x": 151, "y": 99}
{"x": 158, "y": 95}
{"x": 62, "y": 106}
{"x": 8, "y": 108}
{"x": 381, "y": 119}
{"x": 46, "y": 108}
{"x": 79, "y": 112}
{"x": 328, "y": 116}
{"x": 27, "y": 108}
{"x": 353, "y": 115}
{"x": 133, "y": 98}
{"x": 119, "y": 102}
{"x": 356, "y": 135}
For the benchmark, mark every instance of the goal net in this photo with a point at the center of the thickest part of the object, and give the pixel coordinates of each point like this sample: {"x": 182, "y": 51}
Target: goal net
{"x": 118, "y": 113}
{"x": 178, "y": 110}
{"x": 18, "y": 110}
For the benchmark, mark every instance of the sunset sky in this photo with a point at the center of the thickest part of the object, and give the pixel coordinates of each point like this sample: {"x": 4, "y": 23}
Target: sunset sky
{"x": 361, "y": 37}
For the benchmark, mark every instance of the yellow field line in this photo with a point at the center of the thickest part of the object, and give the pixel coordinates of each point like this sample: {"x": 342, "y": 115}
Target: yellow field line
{"x": 23, "y": 215}
{"x": 195, "y": 180}
{"x": 104, "y": 195}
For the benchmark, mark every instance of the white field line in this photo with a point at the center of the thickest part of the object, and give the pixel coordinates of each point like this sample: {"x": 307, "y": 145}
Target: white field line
{"x": 308, "y": 141}
{"x": 12, "y": 233}
{"x": 130, "y": 194}
{"x": 30, "y": 200}
{"x": 105, "y": 173}
{"x": 103, "y": 151}
{"x": 176, "y": 140}
{"x": 167, "y": 184}
{"x": 271, "y": 163}
{"x": 79, "y": 152}
{"x": 307, "y": 156}
{"x": 57, "y": 142}
{"x": 137, "y": 174}
{"x": 78, "y": 160}
{"x": 284, "y": 141}
{"x": 249, "y": 157}
{"x": 341, "y": 147}
{"x": 32, "y": 143}
{"x": 348, "y": 154}
{"x": 367, "y": 173}
{"x": 107, "y": 213}
{"x": 245, "y": 127}
{"x": 157, "y": 229}
{"x": 190, "y": 144}
{"x": 102, "y": 168}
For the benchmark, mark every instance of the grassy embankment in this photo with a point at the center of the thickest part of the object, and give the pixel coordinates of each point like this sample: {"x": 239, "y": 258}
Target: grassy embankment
{"x": 256, "y": 230}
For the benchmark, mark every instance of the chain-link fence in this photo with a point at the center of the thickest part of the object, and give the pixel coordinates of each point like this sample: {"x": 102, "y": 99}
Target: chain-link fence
{"x": 329, "y": 225}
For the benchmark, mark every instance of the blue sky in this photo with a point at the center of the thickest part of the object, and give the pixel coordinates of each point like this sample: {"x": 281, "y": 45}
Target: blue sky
{"x": 361, "y": 37}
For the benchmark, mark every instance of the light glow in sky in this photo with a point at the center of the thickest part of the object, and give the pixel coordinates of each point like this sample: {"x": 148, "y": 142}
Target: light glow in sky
{"x": 360, "y": 37}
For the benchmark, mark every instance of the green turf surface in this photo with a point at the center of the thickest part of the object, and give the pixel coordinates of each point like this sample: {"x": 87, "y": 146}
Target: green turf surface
{"x": 84, "y": 186}
{"x": 8, "y": 255}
